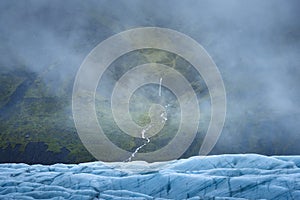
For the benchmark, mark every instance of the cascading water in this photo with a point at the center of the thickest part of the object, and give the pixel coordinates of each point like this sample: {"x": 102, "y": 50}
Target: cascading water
{"x": 164, "y": 118}
{"x": 159, "y": 89}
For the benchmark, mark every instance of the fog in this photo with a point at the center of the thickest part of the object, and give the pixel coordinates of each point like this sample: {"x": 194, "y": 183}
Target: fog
{"x": 255, "y": 44}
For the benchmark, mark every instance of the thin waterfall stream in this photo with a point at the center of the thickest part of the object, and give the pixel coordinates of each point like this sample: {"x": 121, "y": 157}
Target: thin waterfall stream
{"x": 159, "y": 89}
{"x": 164, "y": 118}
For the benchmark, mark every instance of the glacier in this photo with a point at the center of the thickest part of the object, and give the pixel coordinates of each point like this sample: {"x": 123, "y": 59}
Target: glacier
{"x": 237, "y": 176}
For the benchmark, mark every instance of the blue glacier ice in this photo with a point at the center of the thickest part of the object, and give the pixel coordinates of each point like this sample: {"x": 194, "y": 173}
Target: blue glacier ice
{"x": 241, "y": 176}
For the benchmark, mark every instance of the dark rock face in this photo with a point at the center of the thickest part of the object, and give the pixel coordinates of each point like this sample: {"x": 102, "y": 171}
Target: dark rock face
{"x": 34, "y": 153}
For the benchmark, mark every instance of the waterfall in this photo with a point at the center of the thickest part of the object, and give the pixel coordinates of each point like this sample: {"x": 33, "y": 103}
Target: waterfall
{"x": 163, "y": 115}
{"x": 159, "y": 89}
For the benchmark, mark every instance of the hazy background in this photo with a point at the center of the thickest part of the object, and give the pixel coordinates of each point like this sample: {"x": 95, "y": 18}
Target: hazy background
{"x": 255, "y": 44}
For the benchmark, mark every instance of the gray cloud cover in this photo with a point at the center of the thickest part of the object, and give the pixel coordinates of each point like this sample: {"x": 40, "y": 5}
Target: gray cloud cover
{"x": 255, "y": 44}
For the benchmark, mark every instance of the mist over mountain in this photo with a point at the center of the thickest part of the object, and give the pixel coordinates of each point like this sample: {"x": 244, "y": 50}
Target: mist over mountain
{"x": 255, "y": 44}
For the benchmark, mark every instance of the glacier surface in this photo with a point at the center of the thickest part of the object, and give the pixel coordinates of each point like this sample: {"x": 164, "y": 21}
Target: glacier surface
{"x": 243, "y": 176}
